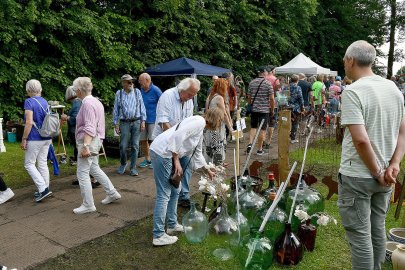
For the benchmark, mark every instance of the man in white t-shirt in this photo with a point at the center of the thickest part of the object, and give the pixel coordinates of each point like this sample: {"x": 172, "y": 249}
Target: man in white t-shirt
{"x": 373, "y": 146}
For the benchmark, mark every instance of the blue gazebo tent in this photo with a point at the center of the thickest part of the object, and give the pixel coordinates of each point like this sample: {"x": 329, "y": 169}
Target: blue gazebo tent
{"x": 183, "y": 67}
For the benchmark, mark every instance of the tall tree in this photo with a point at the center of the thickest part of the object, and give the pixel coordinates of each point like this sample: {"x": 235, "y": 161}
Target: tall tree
{"x": 396, "y": 25}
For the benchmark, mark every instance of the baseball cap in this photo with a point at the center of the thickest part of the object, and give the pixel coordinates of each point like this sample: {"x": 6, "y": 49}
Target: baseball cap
{"x": 126, "y": 77}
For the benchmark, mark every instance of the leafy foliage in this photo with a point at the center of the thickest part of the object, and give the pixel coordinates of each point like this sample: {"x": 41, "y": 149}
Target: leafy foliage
{"x": 56, "y": 41}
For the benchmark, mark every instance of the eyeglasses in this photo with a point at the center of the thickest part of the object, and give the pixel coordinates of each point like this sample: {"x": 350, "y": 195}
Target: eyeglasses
{"x": 129, "y": 82}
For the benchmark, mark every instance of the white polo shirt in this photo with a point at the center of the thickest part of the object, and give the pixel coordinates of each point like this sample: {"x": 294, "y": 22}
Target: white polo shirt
{"x": 170, "y": 110}
{"x": 182, "y": 141}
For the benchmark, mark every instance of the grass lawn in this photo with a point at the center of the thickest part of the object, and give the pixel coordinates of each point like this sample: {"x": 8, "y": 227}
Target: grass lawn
{"x": 15, "y": 175}
{"x": 131, "y": 247}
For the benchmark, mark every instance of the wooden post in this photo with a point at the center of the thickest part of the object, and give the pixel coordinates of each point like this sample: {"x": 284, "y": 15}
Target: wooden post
{"x": 238, "y": 134}
{"x": 284, "y": 127}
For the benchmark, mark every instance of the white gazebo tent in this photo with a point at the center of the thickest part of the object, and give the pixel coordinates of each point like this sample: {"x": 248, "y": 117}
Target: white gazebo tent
{"x": 302, "y": 64}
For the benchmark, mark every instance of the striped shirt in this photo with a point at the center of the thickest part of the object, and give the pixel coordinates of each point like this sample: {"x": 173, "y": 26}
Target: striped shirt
{"x": 377, "y": 104}
{"x": 90, "y": 119}
{"x": 262, "y": 101}
{"x": 131, "y": 106}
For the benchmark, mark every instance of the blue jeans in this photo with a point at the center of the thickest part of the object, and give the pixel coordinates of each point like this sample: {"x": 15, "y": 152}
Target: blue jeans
{"x": 166, "y": 194}
{"x": 130, "y": 132}
{"x": 363, "y": 205}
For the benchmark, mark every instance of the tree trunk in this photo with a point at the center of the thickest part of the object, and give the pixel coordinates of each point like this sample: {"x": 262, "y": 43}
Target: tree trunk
{"x": 393, "y": 24}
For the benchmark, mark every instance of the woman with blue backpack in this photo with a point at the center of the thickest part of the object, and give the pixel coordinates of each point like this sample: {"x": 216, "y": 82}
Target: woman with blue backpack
{"x": 35, "y": 146}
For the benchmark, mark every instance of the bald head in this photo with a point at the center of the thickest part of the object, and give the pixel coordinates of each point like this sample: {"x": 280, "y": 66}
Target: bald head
{"x": 145, "y": 81}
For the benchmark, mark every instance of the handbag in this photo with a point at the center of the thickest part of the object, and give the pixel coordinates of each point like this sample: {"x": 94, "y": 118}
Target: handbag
{"x": 175, "y": 179}
{"x": 249, "y": 108}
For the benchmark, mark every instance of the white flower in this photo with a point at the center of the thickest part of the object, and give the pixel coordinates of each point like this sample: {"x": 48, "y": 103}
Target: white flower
{"x": 301, "y": 215}
{"x": 203, "y": 181}
{"x": 211, "y": 190}
{"x": 323, "y": 220}
{"x": 224, "y": 187}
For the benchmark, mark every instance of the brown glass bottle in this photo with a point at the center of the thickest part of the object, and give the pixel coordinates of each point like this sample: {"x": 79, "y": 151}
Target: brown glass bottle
{"x": 307, "y": 234}
{"x": 270, "y": 192}
{"x": 288, "y": 248}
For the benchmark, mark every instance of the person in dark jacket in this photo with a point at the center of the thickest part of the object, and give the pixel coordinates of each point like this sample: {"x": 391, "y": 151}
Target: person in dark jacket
{"x": 70, "y": 118}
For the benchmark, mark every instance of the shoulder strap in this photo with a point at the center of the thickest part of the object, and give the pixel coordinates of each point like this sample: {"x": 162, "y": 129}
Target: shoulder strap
{"x": 257, "y": 91}
{"x": 178, "y": 126}
{"x": 209, "y": 103}
{"x": 122, "y": 110}
{"x": 47, "y": 112}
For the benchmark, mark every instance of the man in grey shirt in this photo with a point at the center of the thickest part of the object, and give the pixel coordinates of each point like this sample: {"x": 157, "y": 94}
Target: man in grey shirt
{"x": 373, "y": 146}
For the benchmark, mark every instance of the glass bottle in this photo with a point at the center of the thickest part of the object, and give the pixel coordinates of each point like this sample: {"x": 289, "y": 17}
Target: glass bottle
{"x": 307, "y": 234}
{"x": 244, "y": 227}
{"x": 275, "y": 224}
{"x": 255, "y": 251}
{"x": 288, "y": 248}
{"x": 195, "y": 225}
{"x": 270, "y": 192}
{"x": 250, "y": 203}
{"x": 295, "y": 222}
{"x": 309, "y": 197}
{"x": 222, "y": 229}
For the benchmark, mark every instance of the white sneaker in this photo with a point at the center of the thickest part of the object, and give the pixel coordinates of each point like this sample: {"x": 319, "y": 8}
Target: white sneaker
{"x": 177, "y": 228}
{"x": 6, "y": 195}
{"x": 164, "y": 240}
{"x": 109, "y": 199}
{"x": 84, "y": 209}
{"x": 294, "y": 141}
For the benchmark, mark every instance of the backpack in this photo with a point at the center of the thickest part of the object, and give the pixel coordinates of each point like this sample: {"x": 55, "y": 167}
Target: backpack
{"x": 51, "y": 124}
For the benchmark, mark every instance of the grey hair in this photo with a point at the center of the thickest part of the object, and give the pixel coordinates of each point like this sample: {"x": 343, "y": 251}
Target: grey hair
{"x": 185, "y": 84}
{"x": 301, "y": 75}
{"x": 227, "y": 75}
{"x": 312, "y": 79}
{"x": 294, "y": 78}
{"x": 70, "y": 93}
{"x": 33, "y": 86}
{"x": 84, "y": 84}
{"x": 363, "y": 52}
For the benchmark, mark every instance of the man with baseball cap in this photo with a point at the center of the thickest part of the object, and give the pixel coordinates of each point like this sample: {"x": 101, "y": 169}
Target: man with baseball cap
{"x": 129, "y": 116}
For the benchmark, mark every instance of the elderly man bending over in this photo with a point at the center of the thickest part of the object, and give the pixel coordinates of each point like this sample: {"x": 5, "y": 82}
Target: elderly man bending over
{"x": 174, "y": 105}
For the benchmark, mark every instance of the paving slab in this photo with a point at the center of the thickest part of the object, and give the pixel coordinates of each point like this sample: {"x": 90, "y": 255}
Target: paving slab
{"x": 67, "y": 229}
{"x": 22, "y": 247}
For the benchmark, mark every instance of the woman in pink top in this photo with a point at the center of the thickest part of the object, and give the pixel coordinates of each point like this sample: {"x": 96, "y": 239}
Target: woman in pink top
{"x": 90, "y": 131}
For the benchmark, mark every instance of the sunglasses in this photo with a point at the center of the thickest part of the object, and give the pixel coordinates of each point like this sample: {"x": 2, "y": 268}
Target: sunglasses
{"x": 129, "y": 82}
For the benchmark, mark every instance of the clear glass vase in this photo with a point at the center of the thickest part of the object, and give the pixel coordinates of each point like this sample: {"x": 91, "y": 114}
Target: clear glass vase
{"x": 222, "y": 229}
{"x": 255, "y": 251}
{"x": 289, "y": 249}
{"x": 250, "y": 203}
{"x": 195, "y": 225}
